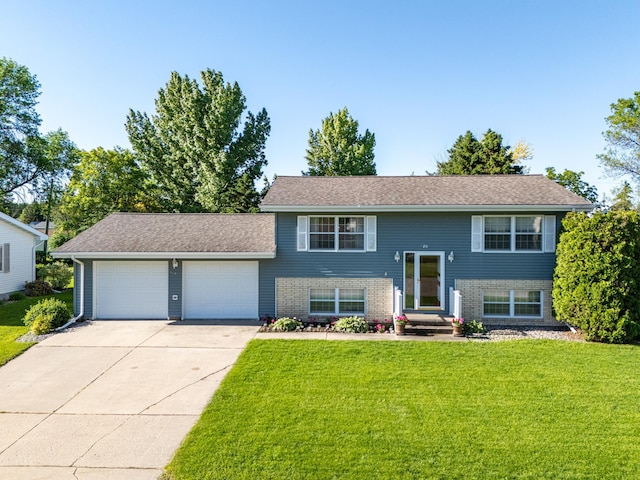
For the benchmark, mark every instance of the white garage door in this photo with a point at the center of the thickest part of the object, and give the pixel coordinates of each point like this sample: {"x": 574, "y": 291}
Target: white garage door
{"x": 132, "y": 289}
{"x": 220, "y": 289}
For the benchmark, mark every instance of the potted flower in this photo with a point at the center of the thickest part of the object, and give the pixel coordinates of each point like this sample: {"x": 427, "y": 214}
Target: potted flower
{"x": 458, "y": 326}
{"x": 399, "y": 323}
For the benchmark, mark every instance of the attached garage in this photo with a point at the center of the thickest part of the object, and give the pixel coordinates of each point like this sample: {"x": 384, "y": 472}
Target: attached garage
{"x": 172, "y": 266}
{"x": 220, "y": 289}
{"x": 131, "y": 289}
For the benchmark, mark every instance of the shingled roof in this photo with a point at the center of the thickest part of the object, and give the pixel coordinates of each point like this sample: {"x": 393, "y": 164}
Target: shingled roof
{"x": 428, "y": 193}
{"x": 161, "y": 235}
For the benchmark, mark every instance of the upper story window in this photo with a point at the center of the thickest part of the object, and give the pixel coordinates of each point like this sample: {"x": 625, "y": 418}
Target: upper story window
{"x": 526, "y": 233}
{"x": 337, "y": 233}
{"x": 347, "y": 233}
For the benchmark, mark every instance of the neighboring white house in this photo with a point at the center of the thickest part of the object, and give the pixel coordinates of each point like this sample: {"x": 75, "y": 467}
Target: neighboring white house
{"x": 18, "y": 243}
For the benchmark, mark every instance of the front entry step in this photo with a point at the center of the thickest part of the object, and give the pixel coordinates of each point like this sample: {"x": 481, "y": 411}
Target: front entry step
{"x": 428, "y": 323}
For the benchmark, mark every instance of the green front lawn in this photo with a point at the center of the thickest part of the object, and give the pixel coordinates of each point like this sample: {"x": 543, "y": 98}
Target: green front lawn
{"x": 419, "y": 410}
{"x": 11, "y": 326}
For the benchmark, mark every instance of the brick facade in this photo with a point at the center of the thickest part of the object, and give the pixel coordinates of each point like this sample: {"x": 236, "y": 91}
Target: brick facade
{"x": 472, "y": 290}
{"x": 292, "y": 295}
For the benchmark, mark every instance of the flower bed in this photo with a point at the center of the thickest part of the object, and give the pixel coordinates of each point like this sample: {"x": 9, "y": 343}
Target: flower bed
{"x": 326, "y": 324}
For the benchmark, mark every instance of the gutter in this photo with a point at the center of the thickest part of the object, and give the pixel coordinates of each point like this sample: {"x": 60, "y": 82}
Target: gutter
{"x": 81, "y": 314}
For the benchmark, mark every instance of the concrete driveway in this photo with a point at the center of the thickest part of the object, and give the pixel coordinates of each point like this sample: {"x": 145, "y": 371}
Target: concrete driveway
{"x": 110, "y": 399}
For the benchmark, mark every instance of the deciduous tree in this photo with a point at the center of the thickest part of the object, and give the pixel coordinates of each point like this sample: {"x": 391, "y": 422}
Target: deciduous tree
{"x": 197, "y": 153}
{"x": 573, "y": 182}
{"x": 622, "y": 154}
{"x": 104, "y": 181}
{"x": 487, "y": 156}
{"x": 27, "y": 159}
{"x": 337, "y": 149}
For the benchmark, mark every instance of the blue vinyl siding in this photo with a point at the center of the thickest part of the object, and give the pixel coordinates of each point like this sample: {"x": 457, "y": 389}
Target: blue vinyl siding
{"x": 415, "y": 232}
{"x": 175, "y": 288}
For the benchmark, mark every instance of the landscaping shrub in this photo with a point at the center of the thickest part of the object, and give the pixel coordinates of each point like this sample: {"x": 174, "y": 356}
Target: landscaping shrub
{"x": 474, "y": 327}
{"x": 286, "y": 324}
{"x": 597, "y": 277}
{"x": 352, "y": 325}
{"x": 46, "y": 315}
{"x": 37, "y": 288}
{"x": 57, "y": 274}
{"x": 17, "y": 296}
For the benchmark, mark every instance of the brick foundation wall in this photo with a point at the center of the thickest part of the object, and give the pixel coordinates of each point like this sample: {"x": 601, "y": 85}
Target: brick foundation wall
{"x": 471, "y": 291}
{"x": 292, "y": 295}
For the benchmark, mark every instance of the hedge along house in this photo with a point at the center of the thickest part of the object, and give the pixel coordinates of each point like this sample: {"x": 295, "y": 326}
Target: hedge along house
{"x": 158, "y": 266}
{"x": 346, "y": 243}
{"x": 364, "y": 246}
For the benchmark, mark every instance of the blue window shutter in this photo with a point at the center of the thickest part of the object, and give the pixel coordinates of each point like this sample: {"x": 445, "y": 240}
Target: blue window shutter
{"x": 549, "y": 233}
{"x": 476, "y": 233}
{"x": 302, "y": 233}
{"x": 372, "y": 244}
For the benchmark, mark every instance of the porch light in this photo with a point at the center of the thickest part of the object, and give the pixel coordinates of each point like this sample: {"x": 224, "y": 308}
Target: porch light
{"x": 396, "y": 257}
{"x": 450, "y": 257}
{"x": 174, "y": 263}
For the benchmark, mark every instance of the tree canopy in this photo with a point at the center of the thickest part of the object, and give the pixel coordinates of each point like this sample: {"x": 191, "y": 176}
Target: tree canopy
{"x": 487, "y": 156}
{"x": 27, "y": 158}
{"x": 198, "y": 156}
{"x": 622, "y": 153}
{"x": 573, "y": 182}
{"x": 104, "y": 181}
{"x": 337, "y": 149}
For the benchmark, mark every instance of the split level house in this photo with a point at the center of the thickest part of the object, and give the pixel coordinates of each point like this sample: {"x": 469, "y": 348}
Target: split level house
{"x": 481, "y": 247}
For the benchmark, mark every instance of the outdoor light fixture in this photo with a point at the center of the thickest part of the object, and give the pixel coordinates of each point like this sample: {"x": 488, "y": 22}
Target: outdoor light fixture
{"x": 450, "y": 257}
{"x": 174, "y": 263}
{"x": 396, "y": 257}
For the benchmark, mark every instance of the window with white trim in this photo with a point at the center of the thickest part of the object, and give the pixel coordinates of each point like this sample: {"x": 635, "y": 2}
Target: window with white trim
{"x": 512, "y": 303}
{"x": 336, "y": 301}
{"x": 324, "y": 233}
{"x": 513, "y": 233}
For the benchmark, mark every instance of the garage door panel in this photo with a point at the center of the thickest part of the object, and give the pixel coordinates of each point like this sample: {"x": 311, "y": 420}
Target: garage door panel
{"x": 132, "y": 289}
{"x": 220, "y": 289}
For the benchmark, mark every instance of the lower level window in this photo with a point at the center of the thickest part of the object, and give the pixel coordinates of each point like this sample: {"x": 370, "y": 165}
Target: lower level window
{"x": 512, "y": 303}
{"x": 336, "y": 301}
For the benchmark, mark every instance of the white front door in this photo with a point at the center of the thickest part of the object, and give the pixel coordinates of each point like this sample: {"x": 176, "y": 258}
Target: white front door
{"x": 424, "y": 280}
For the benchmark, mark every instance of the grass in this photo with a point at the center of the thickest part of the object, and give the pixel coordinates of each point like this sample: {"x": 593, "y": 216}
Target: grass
{"x": 409, "y": 410}
{"x": 11, "y": 326}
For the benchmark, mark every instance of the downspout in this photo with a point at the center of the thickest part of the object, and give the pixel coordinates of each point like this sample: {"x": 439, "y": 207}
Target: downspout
{"x": 33, "y": 257}
{"x": 81, "y": 313}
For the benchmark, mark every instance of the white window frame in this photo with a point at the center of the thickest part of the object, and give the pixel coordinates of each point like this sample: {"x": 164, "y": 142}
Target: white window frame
{"x": 512, "y": 304}
{"x": 369, "y": 242}
{"x": 336, "y": 302}
{"x": 547, "y": 234}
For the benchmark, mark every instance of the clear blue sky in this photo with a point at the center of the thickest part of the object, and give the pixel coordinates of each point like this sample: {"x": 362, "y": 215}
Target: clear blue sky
{"x": 416, "y": 73}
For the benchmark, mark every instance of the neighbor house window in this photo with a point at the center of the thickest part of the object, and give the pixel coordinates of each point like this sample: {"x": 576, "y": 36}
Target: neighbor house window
{"x": 513, "y": 234}
{"x": 4, "y": 258}
{"x": 336, "y": 301}
{"x": 512, "y": 303}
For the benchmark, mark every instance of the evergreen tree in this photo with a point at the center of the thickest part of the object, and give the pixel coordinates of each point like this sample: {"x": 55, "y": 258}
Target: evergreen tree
{"x": 487, "y": 156}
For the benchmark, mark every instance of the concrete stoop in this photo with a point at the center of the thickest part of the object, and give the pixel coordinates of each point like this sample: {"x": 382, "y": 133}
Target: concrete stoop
{"x": 428, "y": 323}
